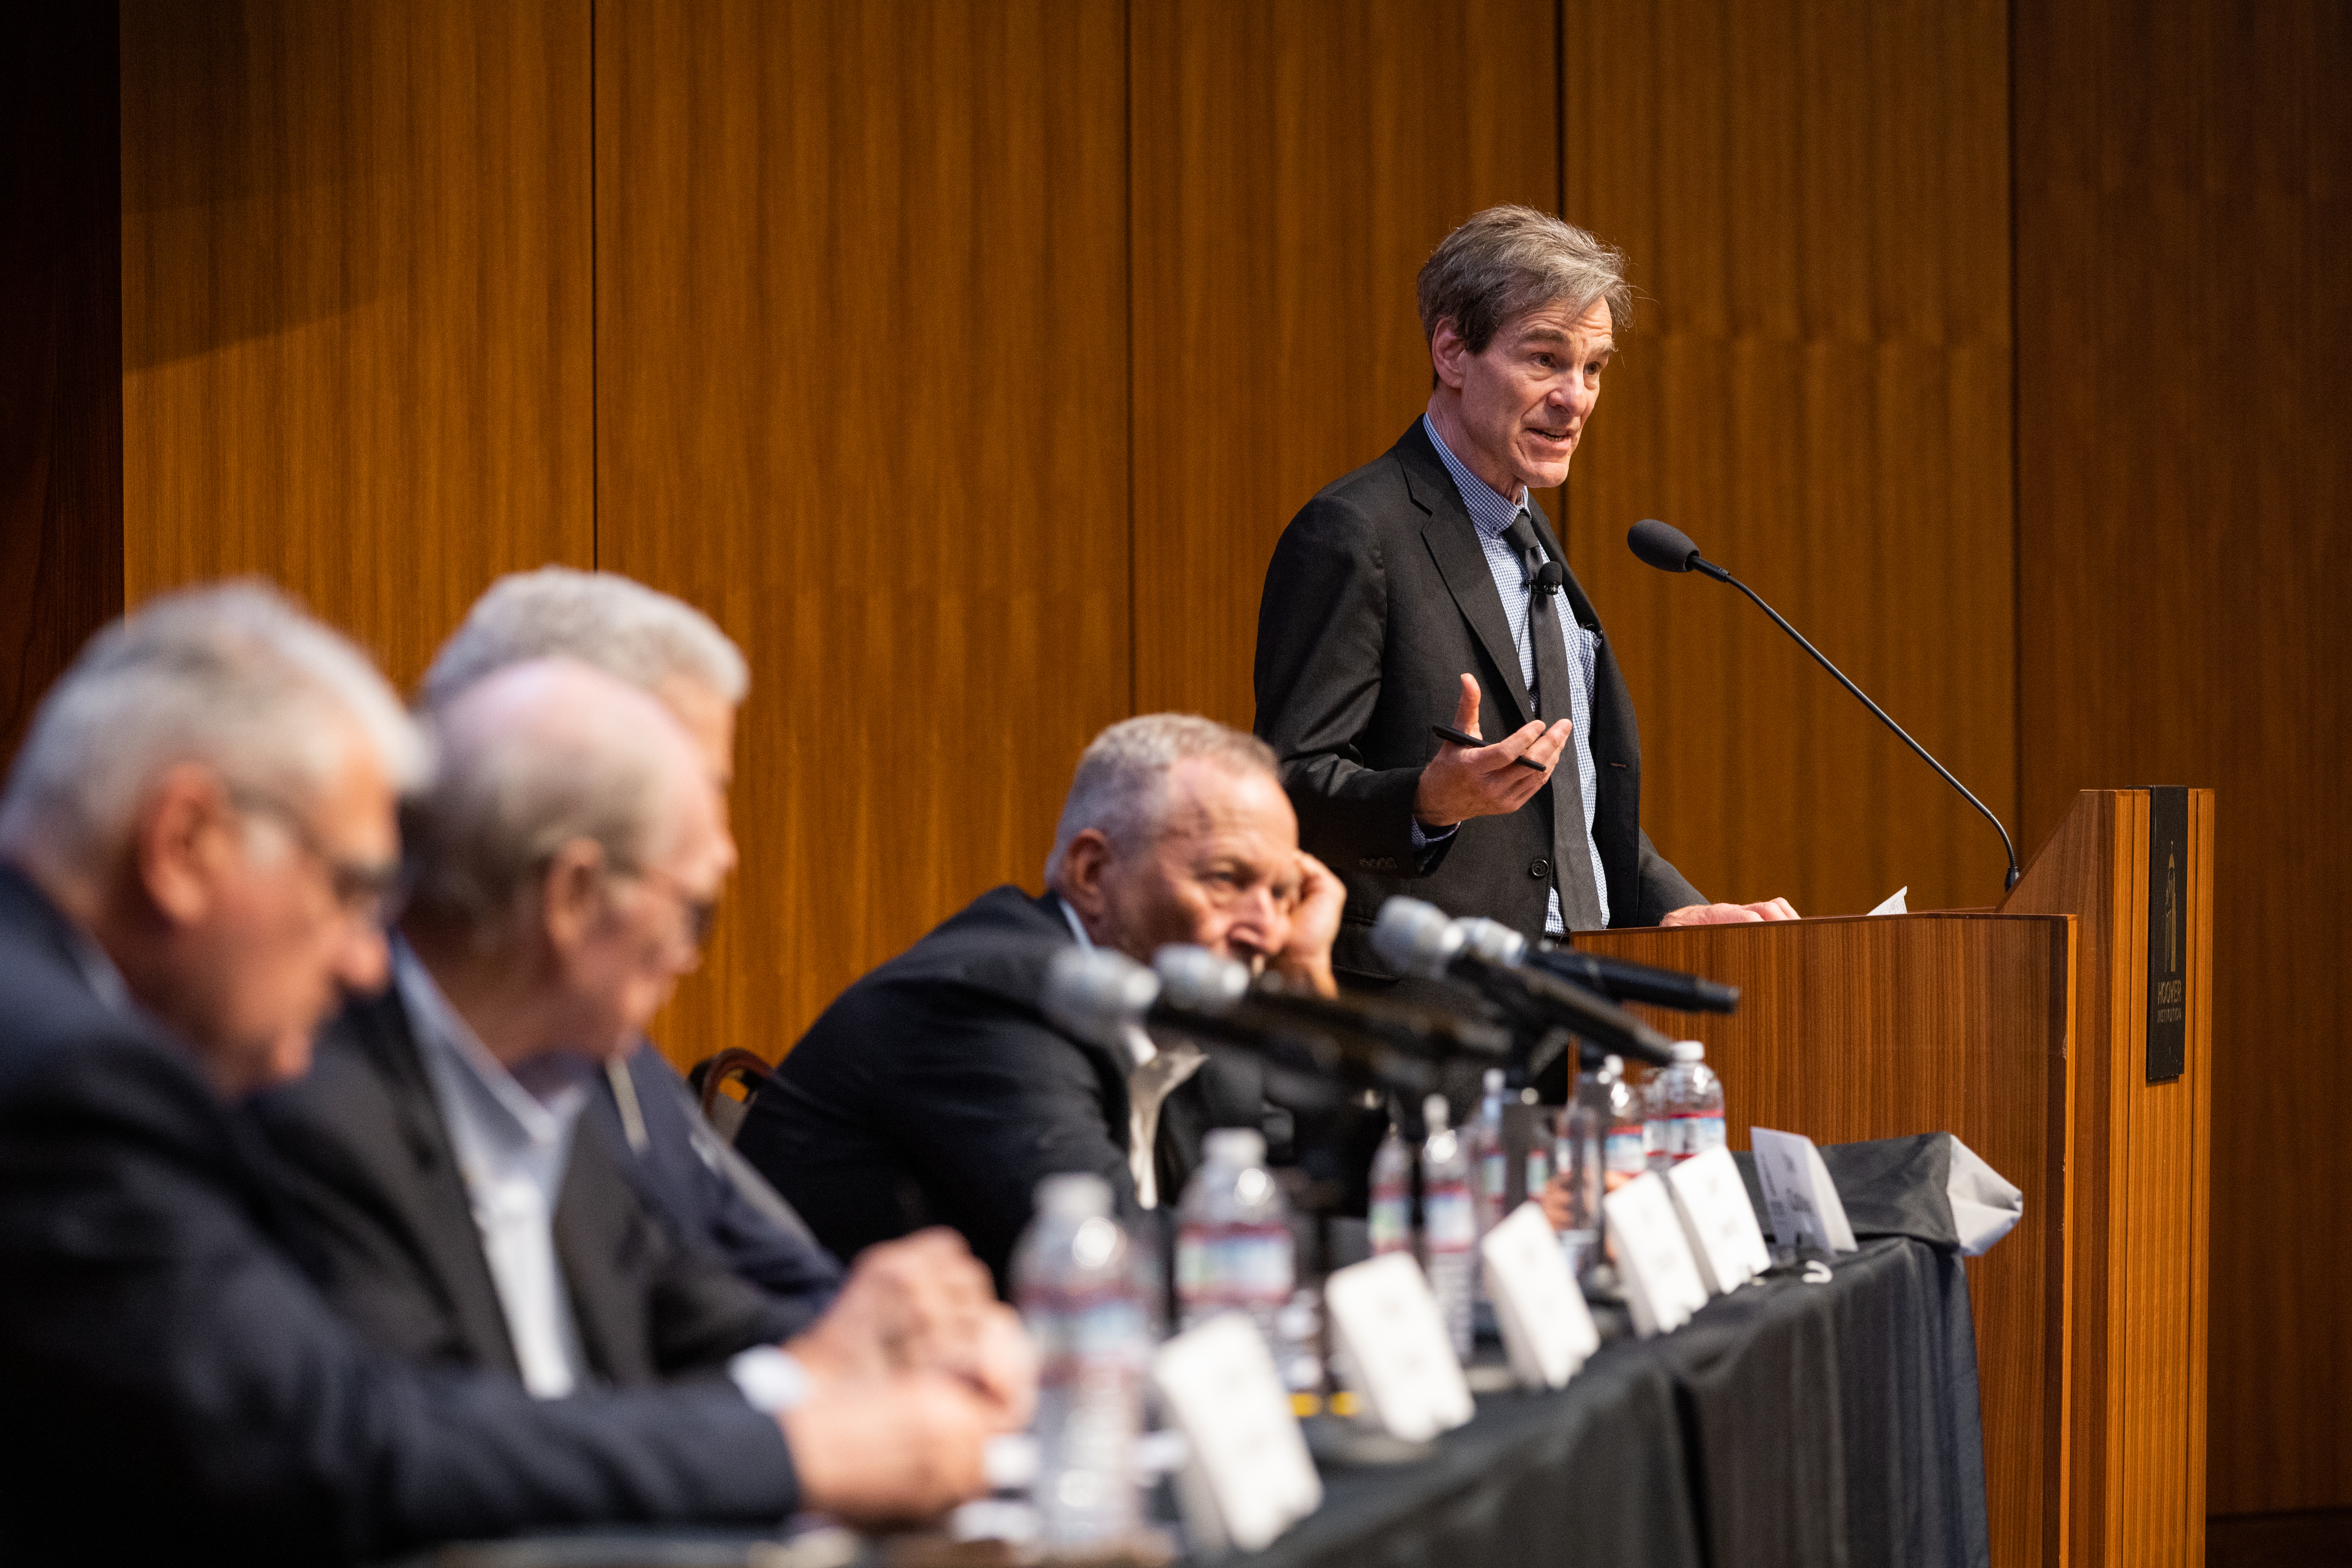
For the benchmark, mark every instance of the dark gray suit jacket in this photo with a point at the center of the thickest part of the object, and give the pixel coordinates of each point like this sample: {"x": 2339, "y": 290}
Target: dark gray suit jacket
{"x": 369, "y": 1159}
{"x": 1377, "y": 600}
{"x": 176, "y": 1387}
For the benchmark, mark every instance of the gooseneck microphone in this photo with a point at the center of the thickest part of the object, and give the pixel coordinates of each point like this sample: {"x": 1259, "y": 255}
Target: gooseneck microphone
{"x": 1669, "y": 549}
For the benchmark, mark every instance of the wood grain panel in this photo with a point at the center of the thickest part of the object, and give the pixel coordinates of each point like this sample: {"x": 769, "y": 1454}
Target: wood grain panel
{"x": 60, "y": 348}
{"x": 1293, "y": 165}
{"x": 356, "y": 276}
{"x": 1816, "y": 197}
{"x": 862, "y": 394}
{"x": 2184, "y": 475}
{"x": 1881, "y": 1029}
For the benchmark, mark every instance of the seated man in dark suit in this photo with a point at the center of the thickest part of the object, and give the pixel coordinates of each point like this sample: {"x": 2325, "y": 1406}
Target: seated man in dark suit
{"x": 643, "y": 1110}
{"x": 565, "y": 864}
{"x": 197, "y": 837}
{"x": 934, "y": 1090}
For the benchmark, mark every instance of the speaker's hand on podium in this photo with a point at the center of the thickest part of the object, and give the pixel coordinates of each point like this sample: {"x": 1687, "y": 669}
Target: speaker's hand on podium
{"x": 1462, "y": 782}
{"x": 1729, "y": 914}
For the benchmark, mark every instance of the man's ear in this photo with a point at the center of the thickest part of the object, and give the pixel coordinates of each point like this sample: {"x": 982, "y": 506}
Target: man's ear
{"x": 571, "y": 896}
{"x": 1446, "y": 352}
{"x": 1085, "y": 864}
{"x": 186, "y": 832}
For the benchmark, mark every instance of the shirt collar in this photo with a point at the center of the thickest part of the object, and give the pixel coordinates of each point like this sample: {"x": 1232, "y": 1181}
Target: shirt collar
{"x": 441, "y": 1030}
{"x": 1490, "y": 512}
{"x": 1077, "y": 926}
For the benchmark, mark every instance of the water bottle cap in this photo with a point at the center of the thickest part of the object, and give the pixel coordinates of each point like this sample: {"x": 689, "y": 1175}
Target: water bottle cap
{"x": 1690, "y": 1051}
{"x": 1615, "y": 1066}
{"x": 1074, "y": 1194}
{"x": 1494, "y": 1081}
{"x": 1434, "y": 1111}
{"x": 1236, "y": 1146}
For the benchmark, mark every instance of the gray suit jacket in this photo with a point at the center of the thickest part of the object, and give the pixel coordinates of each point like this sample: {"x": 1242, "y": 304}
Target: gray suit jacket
{"x": 1377, "y": 599}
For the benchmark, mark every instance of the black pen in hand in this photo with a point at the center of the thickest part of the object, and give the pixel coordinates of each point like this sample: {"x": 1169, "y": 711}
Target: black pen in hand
{"x": 1448, "y": 733}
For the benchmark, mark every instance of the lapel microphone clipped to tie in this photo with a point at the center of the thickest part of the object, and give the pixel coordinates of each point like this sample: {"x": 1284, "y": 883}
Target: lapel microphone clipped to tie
{"x": 1669, "y": 549}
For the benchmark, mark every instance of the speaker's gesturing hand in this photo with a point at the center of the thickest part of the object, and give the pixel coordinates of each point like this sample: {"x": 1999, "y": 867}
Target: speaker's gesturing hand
{"x": 1464, "y": 782}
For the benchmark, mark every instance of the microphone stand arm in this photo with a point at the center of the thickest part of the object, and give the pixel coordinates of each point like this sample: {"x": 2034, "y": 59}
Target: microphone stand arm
{"x": 1701, "y": 563}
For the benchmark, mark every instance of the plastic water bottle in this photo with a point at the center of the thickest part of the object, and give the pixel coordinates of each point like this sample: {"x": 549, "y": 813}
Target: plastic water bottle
{"x": 1392, "y": 1205}
{"x": 1233, "y": 1250}
{"x": 1624, "y": 1155}
{"x": 1686, "y": 1108}
{"x": 1449, "y": 1225}
{"x": 1483, "y": 1143}
{"x": 1080, "y": 1302}
{"x": 1578, "y": 1158}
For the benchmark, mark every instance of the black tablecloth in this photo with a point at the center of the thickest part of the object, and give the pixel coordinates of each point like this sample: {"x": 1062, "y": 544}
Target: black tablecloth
{"x": 1787, "y": 1424}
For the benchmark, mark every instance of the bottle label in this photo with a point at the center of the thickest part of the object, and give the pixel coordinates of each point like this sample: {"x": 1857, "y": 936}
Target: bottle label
{"x": 1391, "y": 1222}
{"x": 1689, "y": 1135}
{"x": 1622, "y": 1154}
{"x": 1491, "y": 1171}
{"x": 1538, "y": 1171}
{"x": 1234, "y": 1265}
{"x": 1448, "y": 1220}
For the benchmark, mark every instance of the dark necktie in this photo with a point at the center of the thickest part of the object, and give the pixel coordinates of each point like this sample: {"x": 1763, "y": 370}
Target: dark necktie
{"x": 1571, "y": 853}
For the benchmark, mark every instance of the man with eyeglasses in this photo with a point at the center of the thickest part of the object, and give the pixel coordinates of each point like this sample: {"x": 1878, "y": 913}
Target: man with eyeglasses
{"x": 196, "y": 841}
{"x": 564, "y": 869}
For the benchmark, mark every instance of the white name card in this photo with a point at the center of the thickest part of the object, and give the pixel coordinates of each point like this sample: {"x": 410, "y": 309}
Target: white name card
{"x": 1798, "y": 1193}
{"x": 1247, "y": 1476}
{"x": 1394, "y": 1347}
{"x": 1719, "y": 1220}
{"x": 1547, "y": 1327}
{"x": 1655, "y": 1266}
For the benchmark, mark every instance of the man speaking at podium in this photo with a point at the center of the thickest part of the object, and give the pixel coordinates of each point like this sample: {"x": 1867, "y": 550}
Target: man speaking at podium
{"x": 1426, "y": 591}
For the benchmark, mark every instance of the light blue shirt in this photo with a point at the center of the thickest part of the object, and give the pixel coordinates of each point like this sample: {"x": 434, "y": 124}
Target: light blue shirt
{"x": 1492, "y": 515}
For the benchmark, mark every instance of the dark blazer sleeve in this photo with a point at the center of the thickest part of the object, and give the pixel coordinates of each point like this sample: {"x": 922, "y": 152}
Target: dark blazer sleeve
{"x": 163, "y": 1333}
{"x": 1321, "y": 641}
{"x": 1663, "y": 890}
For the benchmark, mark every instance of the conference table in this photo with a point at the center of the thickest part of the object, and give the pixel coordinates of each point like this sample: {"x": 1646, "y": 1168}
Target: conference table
{"x": 1824, "y": 1414}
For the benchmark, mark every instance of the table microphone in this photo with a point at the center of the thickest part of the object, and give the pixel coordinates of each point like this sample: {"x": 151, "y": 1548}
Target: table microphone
{"x": 1669, "y": 549}
{"x": 1619, "y": 979}
{"x": 1422, "y": 939}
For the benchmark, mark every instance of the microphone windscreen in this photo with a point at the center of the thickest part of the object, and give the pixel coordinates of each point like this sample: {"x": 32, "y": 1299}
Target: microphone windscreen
{"x": 1098, "y": 994}
{"x": 1549, "y": 576}
{"x": 1661, "y": 545}
{"x": 1417, "y": 938}
{"x": 1492, "y": 940}
{"x": 1197, "y": 980}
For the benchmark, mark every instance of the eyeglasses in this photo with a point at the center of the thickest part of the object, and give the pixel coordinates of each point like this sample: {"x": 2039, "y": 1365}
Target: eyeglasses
{"x": 363, "y": 891}
{"x": 701, "y": 913}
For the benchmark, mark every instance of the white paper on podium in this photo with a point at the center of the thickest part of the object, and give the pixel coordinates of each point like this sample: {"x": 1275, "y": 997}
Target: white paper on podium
{"x": 1247, "y": 1476}
{"x": 1655, "y": 1266}
{"x": 1894, "y": 904}
{"x": 1720, "y": 1220}
{"x": 1547, "y": 1327}
{"x": 1798, "y": 1192}
{"x": 1393, "y": 1345}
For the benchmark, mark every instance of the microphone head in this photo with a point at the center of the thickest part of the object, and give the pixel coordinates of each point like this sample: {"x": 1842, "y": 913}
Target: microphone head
{"x": 1098, "y": 994}
{"x": 1417, "y": 938}
{"x": 1196, "y": 979}
{"x": 1661, "y": 545}
{"x": 1549, "y": 576}
{"x": 1492, "y": 940}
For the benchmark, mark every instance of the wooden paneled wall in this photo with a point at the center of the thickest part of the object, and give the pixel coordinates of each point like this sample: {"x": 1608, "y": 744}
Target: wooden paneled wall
{"x": 356, "y": 337}
{"x": 1815, "y": 195}
{"x": 2184, "y": 207}
{"x": 60, "y": 340}
{"x": 862, "y": 393}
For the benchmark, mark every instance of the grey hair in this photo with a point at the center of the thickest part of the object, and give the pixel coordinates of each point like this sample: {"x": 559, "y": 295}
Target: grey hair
{"x": 534, "y": 756}
{"x": 628, "y": 630}
{"x": 1508, "y": 260}
{"x": 234, "y": 677}
{"x": 1121, "y": 787}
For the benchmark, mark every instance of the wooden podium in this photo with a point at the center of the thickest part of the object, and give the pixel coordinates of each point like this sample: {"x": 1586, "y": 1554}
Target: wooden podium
{"x": 2026, "y": 1032}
